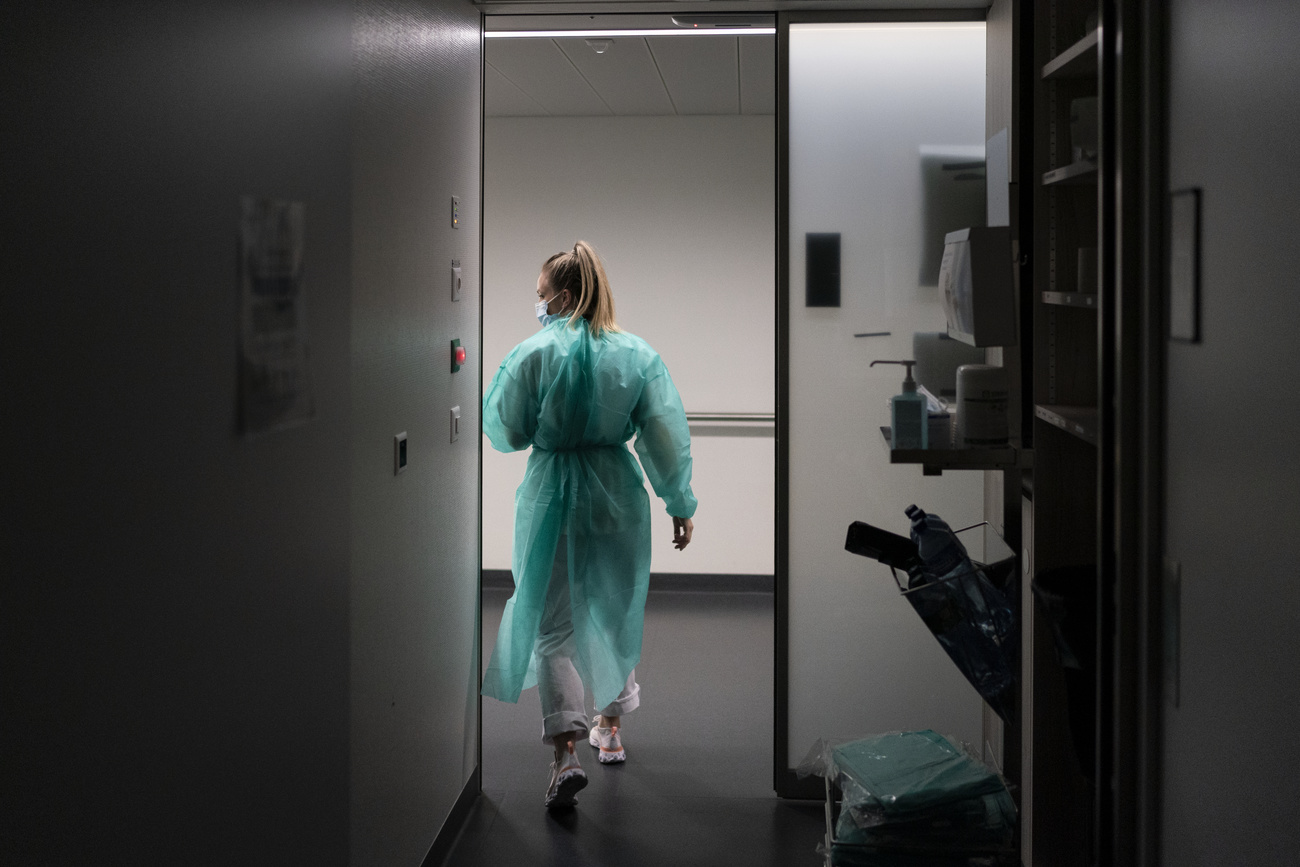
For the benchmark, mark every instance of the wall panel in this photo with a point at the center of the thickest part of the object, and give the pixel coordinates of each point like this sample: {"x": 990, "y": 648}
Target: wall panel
{"x": 175, "y": 598}
{"x": 415, "y": 550}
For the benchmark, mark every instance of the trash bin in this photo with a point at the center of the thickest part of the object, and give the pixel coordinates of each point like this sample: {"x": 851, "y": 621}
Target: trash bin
{"x": 972, "y": 614}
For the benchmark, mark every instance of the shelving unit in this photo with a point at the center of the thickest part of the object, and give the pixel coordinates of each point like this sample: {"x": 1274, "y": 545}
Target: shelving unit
{"x": 1081, "y": 172}
{"x": 1058, "y": 794}
{"x": 1077, "y": 61}
{"x": 1084, "y": 300}
{"x": 935, "y": 461}
{"x": 1081, "y": 421}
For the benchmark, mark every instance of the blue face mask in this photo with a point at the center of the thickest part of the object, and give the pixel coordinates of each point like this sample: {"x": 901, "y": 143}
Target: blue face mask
{"x": 544, "y": 317}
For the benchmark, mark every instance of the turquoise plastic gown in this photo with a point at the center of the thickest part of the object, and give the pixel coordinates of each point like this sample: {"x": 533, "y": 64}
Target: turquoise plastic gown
{"x": 577, "y": 400}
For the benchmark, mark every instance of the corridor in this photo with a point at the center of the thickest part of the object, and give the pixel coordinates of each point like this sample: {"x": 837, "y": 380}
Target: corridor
{"x": 696, "y": 789}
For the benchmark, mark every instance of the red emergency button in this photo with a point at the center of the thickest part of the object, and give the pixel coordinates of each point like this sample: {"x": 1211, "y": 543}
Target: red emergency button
{"x": 457, "y": 355}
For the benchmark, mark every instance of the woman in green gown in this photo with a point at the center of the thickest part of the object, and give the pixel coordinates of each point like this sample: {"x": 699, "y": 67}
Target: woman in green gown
{"x": 577, "y": 392}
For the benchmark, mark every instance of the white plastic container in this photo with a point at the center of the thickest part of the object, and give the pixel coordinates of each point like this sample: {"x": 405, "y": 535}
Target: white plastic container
{"x": 981, "y": 406}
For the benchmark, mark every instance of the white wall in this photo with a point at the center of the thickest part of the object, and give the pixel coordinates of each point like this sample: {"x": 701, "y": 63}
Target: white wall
{"x": 681, "y": 210}
{"x": 1230, "y": 785}
{"x": 863, "y": 102}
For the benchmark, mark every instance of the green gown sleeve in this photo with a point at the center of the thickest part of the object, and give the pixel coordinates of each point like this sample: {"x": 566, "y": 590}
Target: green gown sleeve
{"x": 510, "y": 404}
{"x": 663, "y": 441}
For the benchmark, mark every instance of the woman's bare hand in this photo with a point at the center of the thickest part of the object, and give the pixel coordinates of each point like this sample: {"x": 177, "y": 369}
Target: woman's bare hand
{"x": 682, "y": 530}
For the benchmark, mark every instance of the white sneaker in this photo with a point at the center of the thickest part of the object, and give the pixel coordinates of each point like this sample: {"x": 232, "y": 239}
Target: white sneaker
{"x": 567, "y": 779}
{"x": 607, "y": 741}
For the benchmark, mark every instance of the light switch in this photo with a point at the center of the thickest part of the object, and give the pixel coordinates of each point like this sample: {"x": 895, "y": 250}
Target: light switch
{"x": 399, "y": 452}
{"x": 455, "y": 279}
{"x": 455, "y": 423}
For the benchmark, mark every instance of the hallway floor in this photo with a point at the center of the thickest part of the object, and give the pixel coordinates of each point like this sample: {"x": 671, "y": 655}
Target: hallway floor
{"x": 697, "y": 786}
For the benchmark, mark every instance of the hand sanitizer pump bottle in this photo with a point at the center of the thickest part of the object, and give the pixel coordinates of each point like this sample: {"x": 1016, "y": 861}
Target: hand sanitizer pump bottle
{"x": 908, "y": 417}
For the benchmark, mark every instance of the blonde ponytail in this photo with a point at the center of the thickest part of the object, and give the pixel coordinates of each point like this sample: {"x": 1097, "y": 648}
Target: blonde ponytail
{"x": 582, "y": 274}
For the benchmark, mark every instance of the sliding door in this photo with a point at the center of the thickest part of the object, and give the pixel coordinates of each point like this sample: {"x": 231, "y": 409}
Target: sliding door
{"x": 883, "y": 140}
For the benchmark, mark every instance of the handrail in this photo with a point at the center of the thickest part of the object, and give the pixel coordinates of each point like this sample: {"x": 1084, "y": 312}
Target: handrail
{"x": 744, "y": 417}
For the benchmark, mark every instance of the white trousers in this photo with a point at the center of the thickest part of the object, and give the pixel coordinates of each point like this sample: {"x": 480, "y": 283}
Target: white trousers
{"x": 558, "y": 683}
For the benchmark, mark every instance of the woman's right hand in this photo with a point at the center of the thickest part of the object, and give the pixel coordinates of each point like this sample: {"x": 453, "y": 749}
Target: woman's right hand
{"x": 682, "y": 530}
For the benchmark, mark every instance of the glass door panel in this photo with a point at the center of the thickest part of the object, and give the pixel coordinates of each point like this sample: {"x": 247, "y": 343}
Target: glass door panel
{"x": 886, "y": 142}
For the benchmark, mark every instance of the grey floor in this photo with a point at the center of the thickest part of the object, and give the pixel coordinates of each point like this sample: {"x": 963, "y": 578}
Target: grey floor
{"x": 697, "y": 785}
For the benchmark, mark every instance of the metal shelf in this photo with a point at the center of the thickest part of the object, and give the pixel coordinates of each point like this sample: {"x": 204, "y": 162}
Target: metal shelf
{"x": 935, "y": 461}
{"x": 1082, "y": 172}
{"x": 1081, "y": 421}
{"x": 1084, "y": 300}
{"x": 1077, "y": 61}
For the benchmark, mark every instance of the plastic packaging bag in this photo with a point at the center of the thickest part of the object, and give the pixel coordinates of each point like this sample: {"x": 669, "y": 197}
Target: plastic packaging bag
{"x": 973, "y": 623}
{"x": 968, "y": 606}
{"x": 913, "y": 795}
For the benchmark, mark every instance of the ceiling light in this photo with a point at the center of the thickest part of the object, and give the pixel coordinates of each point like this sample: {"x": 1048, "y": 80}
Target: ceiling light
{"x": 600, "y": 46}
{"x": 578, "y": 34}
{"x": 723, "y": 21}
{"x": 886, "y": 27}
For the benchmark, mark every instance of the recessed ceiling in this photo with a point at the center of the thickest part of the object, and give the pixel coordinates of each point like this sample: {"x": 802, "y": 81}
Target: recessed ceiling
{"x": 630, "y": 76}
{"x": 568, "y": 76}
{"x": 584, "y": 7}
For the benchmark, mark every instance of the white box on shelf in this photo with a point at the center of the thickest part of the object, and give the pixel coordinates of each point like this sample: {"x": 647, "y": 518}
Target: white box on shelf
{"x": 976, "y": 286}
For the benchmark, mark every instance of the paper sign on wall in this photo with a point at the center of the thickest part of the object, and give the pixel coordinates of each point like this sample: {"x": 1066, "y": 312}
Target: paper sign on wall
{"x": 275, "y": 389}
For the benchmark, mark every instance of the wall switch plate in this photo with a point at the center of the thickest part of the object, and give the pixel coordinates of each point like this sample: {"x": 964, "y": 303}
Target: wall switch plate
{"x": 455, "y": 212}
{"x": 399, "y": 453}
{"x": 455, "y": 279}
{"x": 455, "y": 423}
{"x": 822, "y": 283}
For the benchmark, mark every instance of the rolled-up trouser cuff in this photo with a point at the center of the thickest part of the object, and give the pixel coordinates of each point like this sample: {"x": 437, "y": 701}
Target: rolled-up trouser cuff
{"x": 562, "y": 721}
{"x": 627, "y": 701}
{"x": 571, "y": 719}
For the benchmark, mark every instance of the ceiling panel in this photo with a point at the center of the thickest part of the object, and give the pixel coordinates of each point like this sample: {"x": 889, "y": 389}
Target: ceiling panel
{"x": 503, "y": 99}
{"x": 542, "y": 71}
{"x": 701, "y": 72}
{"x": 635, "y": 76}
{"x": 625, "y": 75}
{"x": 757, "y": 74}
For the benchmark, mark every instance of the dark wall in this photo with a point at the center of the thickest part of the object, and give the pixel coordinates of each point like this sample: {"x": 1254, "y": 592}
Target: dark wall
{"x": 176, "y": 611}
{"x": 1231, "y": 788}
